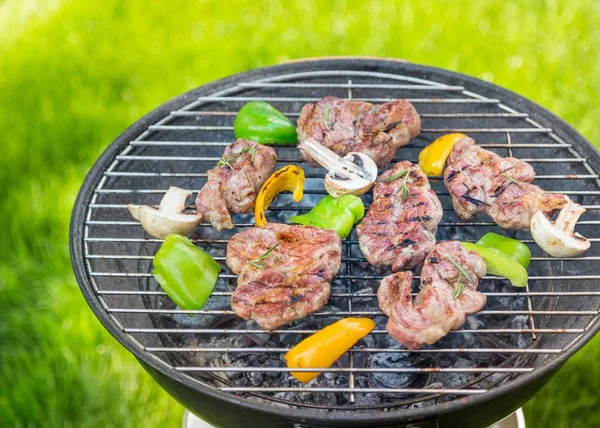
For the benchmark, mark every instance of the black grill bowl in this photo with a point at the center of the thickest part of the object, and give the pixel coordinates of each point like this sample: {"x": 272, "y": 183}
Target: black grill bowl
{"x": 526, "y": 335}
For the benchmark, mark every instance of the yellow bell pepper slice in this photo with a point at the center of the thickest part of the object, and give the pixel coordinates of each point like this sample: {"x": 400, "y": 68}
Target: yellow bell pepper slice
{"x": 433, "y": 157}
{"x": 290, "y": 178}
{"x": 323, "y": 348}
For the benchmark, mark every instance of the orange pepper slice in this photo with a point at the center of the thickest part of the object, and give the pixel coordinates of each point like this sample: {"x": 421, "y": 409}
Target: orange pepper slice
{"x": 433, "y": 157}
{"x": 323, "y": 348}
{"x": 289, "y": 178}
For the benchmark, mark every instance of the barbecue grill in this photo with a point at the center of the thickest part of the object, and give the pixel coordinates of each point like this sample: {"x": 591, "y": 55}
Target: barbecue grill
{"x": 230, "y": 372}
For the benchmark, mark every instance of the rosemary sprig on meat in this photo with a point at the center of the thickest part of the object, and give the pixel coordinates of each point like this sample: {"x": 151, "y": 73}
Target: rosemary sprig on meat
{"x": 461, "y": 270}
{"x": 258, "y": 262}
{"x": 396, "y": 176}
{"x": 427, "y": 232}
{"x": 227, "y": 161}
{"x": 326, "y": 116}
{"x": 251, "y": 150}
{"x": 512, "y": 180}
{"x": 404, "y": 189}
{"x": 459, "y": 286}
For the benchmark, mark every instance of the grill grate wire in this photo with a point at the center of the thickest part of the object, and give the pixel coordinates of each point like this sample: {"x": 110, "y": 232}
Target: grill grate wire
{"x": 157, "y": 156}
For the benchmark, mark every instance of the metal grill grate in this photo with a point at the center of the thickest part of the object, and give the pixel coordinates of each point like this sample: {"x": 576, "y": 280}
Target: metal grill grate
{"x": 518, "y": 331}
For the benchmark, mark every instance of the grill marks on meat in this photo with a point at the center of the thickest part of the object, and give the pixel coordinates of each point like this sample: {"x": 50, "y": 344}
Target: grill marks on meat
{"x": 346, "y": 126}
{"x": 233, "y": 184}
{"x": 293, "y": 280}
{"x": 399, "y": 228}
{"x": 480, "y": 181}
{"x": 435, "y": 311}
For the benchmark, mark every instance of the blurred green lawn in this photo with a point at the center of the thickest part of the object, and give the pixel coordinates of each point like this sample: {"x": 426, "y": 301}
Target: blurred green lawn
{"x": 74, "y": 74}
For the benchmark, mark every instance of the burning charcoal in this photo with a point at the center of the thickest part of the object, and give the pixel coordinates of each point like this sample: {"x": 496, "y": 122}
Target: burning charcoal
{"x": 242, "y": 381}
{"x": 325, "y": 398}
{"x": 341, "y": 305}
{"x": 344, "y": 360}
{"x": 518, "y": 323}
{"x": 289, "y": 396}
{"x": 256, "y": 378}
{"x": 435, "y": 385}
{"x": 234, "y": 375}
{"x": 487, "y": 341}
{"x": 305, "y": 396}
{"x": 290, "y": 339}
{"x": 242, "y": 341}
{"x": 259, "y": 337}
{"x": 206, "y": 320}
{"x": 341, "y": 380}
{"x": 445, "y": 361}
{"x": 273, "y": 363}
{"x": 330, "y": 375}
{"x": 369, "y": 399}
{"x": 398, "y": 361}
{"x": 454, "y": 380}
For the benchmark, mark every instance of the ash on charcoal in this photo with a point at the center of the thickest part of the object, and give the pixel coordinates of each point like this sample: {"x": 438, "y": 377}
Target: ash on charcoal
{"x": 289, "y": 396}
{"x": 396, "y": 360}
{"x": 474, "y": 323}
{"x": 518, "y": 323}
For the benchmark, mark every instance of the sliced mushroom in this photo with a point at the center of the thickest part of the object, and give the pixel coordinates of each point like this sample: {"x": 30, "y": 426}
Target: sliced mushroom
{"x": 559, "y": 238}
{"x": 169, "y": 217}
{"x": 353, "y": 174}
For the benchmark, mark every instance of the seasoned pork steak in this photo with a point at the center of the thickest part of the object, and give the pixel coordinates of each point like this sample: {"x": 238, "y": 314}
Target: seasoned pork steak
{"x": 233, "y": 184}
{"x": 442, "y": 304}
{"x": 400, "y": 226}
{"x": 284, "y": 272}
{"x": 480, "y": 181}
{"x": 346, "y": 126}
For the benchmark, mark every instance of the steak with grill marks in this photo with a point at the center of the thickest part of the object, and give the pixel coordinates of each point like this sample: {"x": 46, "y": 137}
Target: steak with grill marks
{"x": 480, "y": 181}
{"x": 442, "y": 304}
{"x": 346, "y": 126}
{"x": 400, "y": 226}
{"x": 284, "y": 271}
{"x": 233, "y": 184}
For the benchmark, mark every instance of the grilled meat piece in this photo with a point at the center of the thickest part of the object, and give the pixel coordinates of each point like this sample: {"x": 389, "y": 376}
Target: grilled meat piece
{"x": 284, "y": 272}
{"x": 480, "y": 181}
{"x": 400, "y": 226}
{"x": 346, "y": 126}
{"x": 442, "y": 304}
{"x": 233, "y": 184}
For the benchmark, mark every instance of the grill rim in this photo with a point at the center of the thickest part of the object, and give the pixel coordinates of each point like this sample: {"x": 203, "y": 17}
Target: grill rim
{"x": 80, "y": 211}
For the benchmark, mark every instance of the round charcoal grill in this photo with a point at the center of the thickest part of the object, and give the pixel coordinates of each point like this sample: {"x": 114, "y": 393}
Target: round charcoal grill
{"x": 230, "y": 372}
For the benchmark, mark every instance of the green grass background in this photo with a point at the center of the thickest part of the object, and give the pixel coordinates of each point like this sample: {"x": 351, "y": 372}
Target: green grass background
{"x": 74, "y": 74}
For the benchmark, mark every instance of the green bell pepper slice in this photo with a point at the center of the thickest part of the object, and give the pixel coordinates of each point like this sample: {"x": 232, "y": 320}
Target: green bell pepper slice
{"x": 500, "y": 264}
{"x": 186, "y": 273}
{"x": 339, "y": 214}
{"x": 513, "y": 248}
{"x": 261, "y": 122}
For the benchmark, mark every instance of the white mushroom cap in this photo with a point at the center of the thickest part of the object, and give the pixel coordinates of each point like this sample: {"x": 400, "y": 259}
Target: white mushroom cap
{"x": 559, "y": 238}
{"x": 339, "y": 184}
{"x": 168, "y": 218}
{"x": 353, "y": 174}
